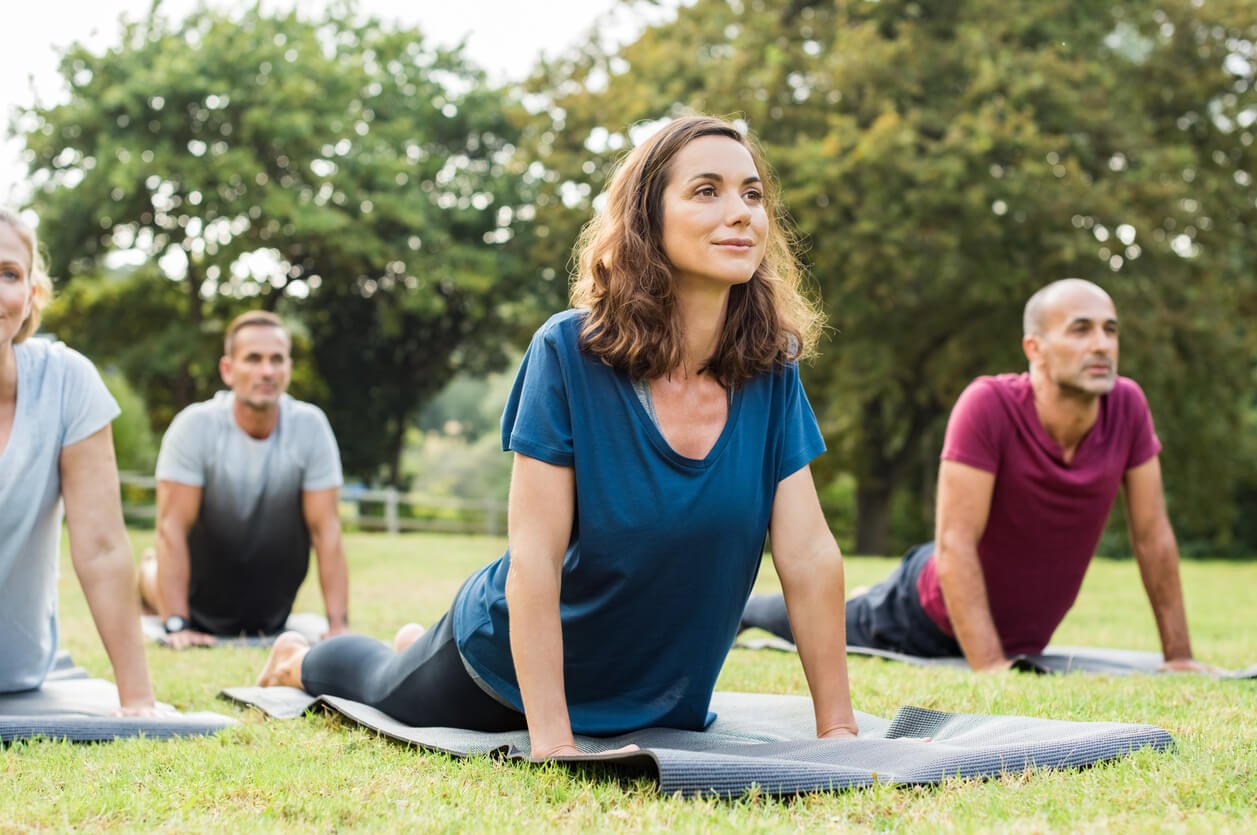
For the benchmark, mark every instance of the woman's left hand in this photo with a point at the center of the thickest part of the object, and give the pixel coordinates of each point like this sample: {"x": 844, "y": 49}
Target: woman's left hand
{"x": 144, "y": 709}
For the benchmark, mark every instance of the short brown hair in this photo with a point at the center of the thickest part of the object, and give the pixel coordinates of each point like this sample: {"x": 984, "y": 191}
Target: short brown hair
{"x": 250, "y": 319}
{"x": 625, "y": 279}
{"x": 36, "y": 272}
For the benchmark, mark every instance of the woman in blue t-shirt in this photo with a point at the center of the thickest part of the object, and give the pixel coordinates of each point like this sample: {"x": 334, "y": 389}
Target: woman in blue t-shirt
{"x": 660, "y": 431}
{"x": 55, "y": 447}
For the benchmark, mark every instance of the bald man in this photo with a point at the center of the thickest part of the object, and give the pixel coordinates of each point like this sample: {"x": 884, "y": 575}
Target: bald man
{"x": 1031, "y": 465}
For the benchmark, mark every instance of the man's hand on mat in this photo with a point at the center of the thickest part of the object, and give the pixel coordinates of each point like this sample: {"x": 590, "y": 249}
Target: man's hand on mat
{"x": 335, "y": 626}
{"x": 1003, "y": 665}
{"x": 1188, "y": 665}
{"x": 189, "y": 638}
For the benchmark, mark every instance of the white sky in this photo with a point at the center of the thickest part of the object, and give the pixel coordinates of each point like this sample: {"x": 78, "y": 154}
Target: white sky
{"x": 505, "y": 37}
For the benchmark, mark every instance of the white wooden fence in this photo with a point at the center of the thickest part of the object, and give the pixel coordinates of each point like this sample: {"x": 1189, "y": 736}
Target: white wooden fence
{"x": 387, "y": 509}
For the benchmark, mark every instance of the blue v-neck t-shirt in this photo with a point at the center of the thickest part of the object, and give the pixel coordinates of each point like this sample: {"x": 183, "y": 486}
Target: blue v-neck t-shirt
{"x": 664, "y": 549}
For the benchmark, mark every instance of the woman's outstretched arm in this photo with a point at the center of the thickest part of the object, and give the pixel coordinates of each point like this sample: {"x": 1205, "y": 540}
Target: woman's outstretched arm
{"x": 101, "y": 553}
{"x": 541, "y": 510}
{"x": 809, "y": 565}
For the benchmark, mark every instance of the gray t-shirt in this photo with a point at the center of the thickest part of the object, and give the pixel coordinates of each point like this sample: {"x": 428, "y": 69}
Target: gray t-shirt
{"x": 61, "y": 400}
{"x": 250, "y": 547}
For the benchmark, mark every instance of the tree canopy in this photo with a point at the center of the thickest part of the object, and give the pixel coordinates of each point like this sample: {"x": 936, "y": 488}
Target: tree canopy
{"x": 337, "y": 168}
{"x": 944, "y": 160}
{"x": 941, "y": 161}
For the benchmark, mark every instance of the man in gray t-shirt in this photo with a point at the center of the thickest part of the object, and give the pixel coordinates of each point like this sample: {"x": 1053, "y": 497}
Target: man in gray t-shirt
{"x": 246, "y": 482}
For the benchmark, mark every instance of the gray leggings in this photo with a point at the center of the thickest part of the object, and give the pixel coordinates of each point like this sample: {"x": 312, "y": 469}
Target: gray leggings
{"x": 425, "y": 685}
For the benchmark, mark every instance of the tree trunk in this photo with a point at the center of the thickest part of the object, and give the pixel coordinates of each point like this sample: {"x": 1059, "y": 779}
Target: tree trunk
{"x": 397, "y": 445}
{"x": 185, "y": 385}
{"x": 872, "y": 527}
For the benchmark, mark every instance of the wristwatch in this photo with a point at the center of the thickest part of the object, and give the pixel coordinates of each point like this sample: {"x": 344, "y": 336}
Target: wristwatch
{"x": 175, "y": 623}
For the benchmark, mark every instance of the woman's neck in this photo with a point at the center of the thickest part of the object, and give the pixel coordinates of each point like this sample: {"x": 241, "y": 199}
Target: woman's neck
{"x": 702, "y": 317}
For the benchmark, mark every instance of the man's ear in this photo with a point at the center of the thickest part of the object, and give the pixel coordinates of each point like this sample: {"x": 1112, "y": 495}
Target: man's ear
{"x": 224, "y": 370}
{"x": 1030, "y": 347}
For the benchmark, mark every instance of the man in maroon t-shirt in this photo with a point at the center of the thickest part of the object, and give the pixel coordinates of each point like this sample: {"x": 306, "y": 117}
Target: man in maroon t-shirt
{"x": 1030, "y": 467}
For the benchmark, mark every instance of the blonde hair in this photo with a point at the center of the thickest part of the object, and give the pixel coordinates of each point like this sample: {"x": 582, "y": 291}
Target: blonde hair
{"x": 36, "y": 274}
{"x": 625, "y": 279}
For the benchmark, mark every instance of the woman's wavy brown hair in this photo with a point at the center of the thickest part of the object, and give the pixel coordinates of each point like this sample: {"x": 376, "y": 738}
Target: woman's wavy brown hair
{"x": 625, "y": 279}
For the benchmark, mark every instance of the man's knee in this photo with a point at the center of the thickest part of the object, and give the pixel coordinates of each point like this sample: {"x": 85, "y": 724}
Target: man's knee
{"x": 149, "y": 597}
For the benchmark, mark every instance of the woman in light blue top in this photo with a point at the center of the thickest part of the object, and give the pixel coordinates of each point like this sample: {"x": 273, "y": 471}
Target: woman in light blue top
{"x": 660, "y": 431}
{"x": 55, "y": 447}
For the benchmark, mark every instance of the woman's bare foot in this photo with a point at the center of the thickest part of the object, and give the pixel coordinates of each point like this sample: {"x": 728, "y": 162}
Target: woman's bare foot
{"x": 283, "y": 667}
{"x": 407, "y": 635}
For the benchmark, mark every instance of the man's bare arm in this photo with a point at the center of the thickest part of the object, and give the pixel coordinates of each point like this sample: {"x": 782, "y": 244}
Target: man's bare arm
{"x": 964, "y": 503}
{"x": 321, "y": 509}
{"x": 1156, "y": 550}
{"x": 177, "y": 508}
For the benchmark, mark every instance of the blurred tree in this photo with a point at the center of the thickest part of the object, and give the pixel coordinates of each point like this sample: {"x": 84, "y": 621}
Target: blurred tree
{"x": 336, "y": 167}
{"x": 943, "y": 160}
{"x": 131, "y": 319}
{"x": 133, "y": 440}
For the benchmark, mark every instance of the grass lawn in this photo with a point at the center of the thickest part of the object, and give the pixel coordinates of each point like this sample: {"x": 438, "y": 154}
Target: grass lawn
{"x": 315, "y": 774}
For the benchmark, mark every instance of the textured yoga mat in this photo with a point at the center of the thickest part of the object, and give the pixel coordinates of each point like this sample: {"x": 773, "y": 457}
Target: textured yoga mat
{"x": 72, "y": 706}
{"x": 769, "y": 742}
{"x": 310, "y": 625}
{"x": 1053, "y": 659}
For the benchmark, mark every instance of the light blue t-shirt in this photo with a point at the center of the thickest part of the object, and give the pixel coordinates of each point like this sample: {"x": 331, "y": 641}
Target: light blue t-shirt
{"x": 664, "y": 549}
{"x": 61, "y": 400}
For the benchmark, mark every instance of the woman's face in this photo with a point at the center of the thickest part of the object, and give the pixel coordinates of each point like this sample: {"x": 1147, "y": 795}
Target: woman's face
{"x": 15, "y": 283}
{"x": 714, "y": 219}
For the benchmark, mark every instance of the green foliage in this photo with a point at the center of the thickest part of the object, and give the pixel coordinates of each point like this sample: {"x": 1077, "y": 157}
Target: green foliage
{"x": 133, "y": 322}
{"x": 333, "y": 166}
{"x": 944, "y": 160}
{"x": 318, "y": 773}
{"x": 470, "y": 406}
{"x": 134, "y": 443}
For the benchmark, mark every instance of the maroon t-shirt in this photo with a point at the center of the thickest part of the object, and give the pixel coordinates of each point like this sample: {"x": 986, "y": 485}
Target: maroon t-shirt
{"x": 1046, "y": 516}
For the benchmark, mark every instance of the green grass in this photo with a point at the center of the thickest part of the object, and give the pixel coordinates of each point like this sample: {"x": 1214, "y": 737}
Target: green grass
{"x": 315, "y": 774}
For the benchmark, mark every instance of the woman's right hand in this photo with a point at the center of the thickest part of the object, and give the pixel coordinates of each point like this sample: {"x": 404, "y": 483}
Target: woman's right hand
{"x": 570, "y": 750}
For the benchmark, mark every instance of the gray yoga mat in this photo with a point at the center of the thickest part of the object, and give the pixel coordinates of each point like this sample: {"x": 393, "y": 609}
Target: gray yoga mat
{"x": 70, "y": 705}
{"x": 1053, "y": 659}
{"x": 768, "y": 741}
{"x": 311, "y": 626}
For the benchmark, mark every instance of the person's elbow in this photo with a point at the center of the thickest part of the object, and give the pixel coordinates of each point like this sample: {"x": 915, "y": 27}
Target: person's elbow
{"x": 171, "y": 527}
{"x": 99, "y": 554}
{"x": 325, "y": 535}
{"x": 818, "y": 564}
{"x": 530, "y": 582}
{"x": 954, "y": 556}
{"x": 1154, "y": 541}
